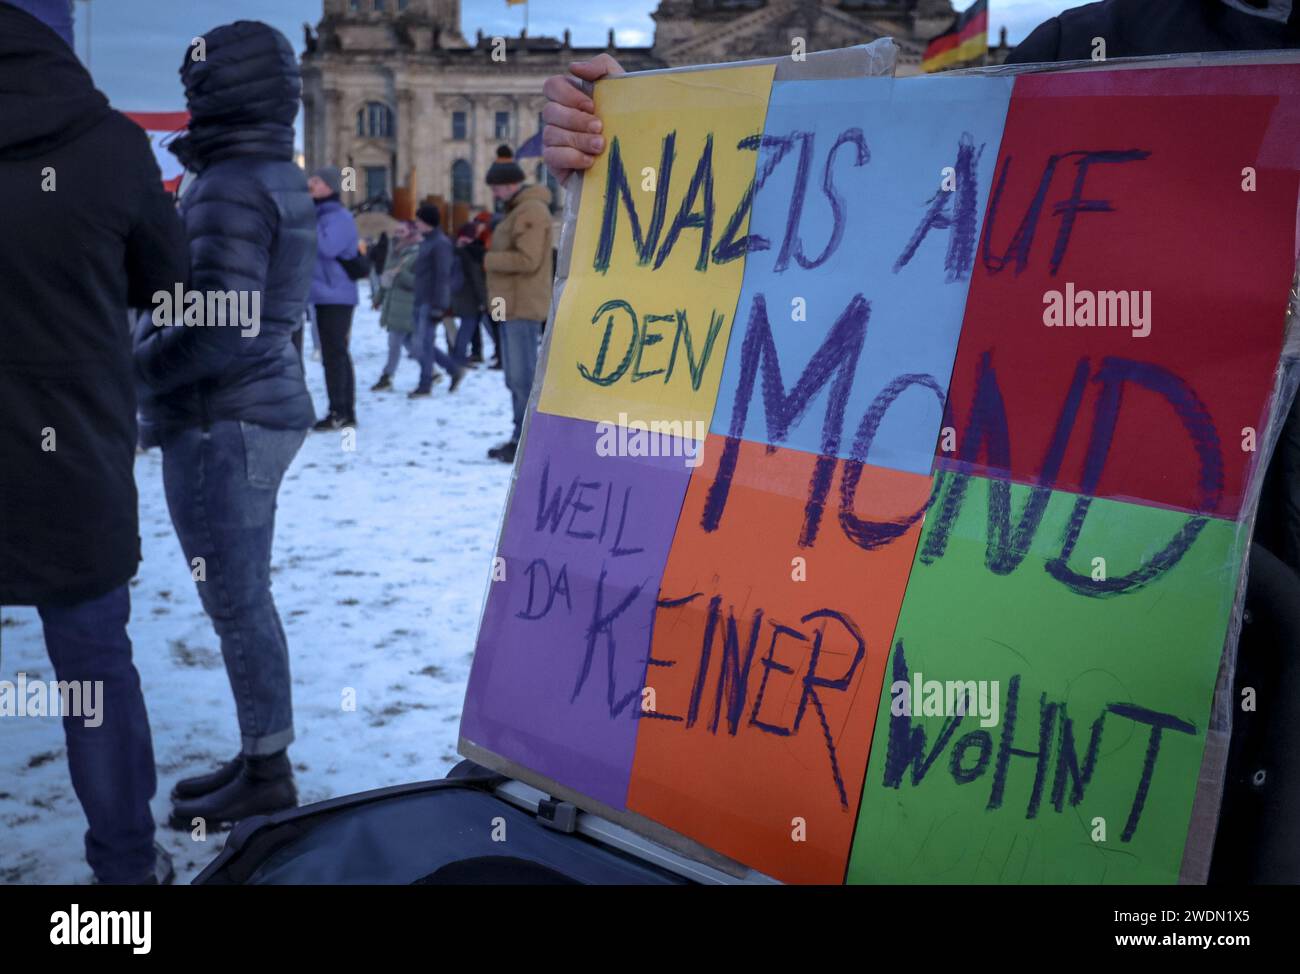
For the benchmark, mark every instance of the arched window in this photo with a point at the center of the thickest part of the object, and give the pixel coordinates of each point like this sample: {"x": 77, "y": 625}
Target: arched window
{"x": 462, "y": 182}
{"x": 375, "y": 121}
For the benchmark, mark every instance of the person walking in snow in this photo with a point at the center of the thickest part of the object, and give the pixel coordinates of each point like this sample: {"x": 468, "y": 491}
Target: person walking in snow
{"x": 434, "y": 284}
{"x": 395, "y": 299}
{"x": 469, "y": 303}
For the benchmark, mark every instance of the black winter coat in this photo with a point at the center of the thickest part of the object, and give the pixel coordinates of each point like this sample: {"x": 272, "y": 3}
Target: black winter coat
{"x": 252, "y": 229}
{"x": 470, "y": 300}
{"x": 86, "y": 228}
{"x": 1135, "y": 28}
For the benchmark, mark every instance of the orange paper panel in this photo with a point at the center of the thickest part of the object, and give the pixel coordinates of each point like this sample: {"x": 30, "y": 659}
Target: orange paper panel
{"x": 765, "y": 670}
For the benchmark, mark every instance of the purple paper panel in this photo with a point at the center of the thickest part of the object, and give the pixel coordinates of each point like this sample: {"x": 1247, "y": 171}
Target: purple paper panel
{"x": 561, "y": 658}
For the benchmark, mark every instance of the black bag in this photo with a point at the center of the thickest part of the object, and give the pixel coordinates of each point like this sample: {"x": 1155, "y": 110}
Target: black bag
{"x": 357, "y": 266}
{"x": 430, "y": 833}
{"x": 1256, "y": 841}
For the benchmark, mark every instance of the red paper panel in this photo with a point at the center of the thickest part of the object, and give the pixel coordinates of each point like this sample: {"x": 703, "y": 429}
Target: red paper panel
{"x": 1160, "y": 206}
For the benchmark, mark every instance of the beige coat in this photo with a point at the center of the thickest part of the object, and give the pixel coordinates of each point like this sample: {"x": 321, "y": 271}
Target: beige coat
{"x": 519, "y": 262}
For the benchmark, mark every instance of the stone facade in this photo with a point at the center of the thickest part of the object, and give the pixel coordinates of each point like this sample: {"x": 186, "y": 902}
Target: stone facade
{"x": 705, "y": 31}
{"x": 394, "y": 89}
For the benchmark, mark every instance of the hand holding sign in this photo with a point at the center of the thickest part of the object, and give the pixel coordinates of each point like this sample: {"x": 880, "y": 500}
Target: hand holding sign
{"x": 572, "y": 135}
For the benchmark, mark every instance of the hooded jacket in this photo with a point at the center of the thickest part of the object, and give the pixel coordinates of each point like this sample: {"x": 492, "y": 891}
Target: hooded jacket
{"x": 336, "y": 237}
{"x": 88, "y": 230}
{"x": 519, "y": 263}
{"x": 397, "y": 297}
{"x": 251, "y": 228}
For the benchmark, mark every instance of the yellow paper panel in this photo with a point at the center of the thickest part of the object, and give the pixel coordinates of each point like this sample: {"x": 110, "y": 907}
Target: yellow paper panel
{"x": 642, "y": 328}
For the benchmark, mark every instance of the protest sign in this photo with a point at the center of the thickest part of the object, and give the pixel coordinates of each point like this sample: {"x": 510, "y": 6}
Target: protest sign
{"x": 882, "y": 511}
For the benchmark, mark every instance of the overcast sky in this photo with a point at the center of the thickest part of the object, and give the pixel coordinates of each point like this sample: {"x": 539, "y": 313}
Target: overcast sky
{"x": 135, "y": 46}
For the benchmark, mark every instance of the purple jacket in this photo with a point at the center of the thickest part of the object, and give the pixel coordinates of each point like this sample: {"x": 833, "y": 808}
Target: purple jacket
{"x": 336, "y": 236}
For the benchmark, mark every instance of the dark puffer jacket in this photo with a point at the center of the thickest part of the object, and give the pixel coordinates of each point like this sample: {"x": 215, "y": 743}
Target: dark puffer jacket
{"x": 86, "y": 229}
{"x": 252, "y": 229}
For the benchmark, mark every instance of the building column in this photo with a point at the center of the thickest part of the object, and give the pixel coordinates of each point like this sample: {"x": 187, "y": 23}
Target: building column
{"x": 407, "y": 110}
{"x": 331, "y": 130}
{"x": 345, "y": 127}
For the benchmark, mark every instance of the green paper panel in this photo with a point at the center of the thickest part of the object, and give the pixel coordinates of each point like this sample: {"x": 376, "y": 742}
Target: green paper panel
{"x": 1115, "y": 651}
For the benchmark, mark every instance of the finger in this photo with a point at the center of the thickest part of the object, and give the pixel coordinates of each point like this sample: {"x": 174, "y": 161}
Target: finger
{"x": 565, "y": 91}
{"x": 589, "y": 144}
{"x": 602, "y": 65}
{"x": 571, "y": 119}
{"x": 559, "y": 158}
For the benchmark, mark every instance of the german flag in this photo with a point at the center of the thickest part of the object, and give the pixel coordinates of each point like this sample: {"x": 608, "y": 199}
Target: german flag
{"x": 967, "y": 40}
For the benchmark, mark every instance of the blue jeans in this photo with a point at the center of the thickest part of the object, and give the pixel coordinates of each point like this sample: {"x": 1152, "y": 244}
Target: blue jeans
{"x": 111, "y": 765}
{"x": 429, "y": 352}
{"x": 221, "y": 489}
{"x": 466, "y": 332}
{"x": 519, "y": 338}
{"x": 397, "y": 341}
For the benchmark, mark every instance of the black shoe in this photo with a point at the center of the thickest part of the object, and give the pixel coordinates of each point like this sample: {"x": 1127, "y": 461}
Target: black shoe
{"x": 188, "y": 788}
{"x": 348, "y": 424}
{"x": 419, "y": 394}
{"x": 328, "y": 424}
{"x": 385, "y": 382}
{"x": 264, "y": 785}
{"x": 457, "y": 378}
{"x": 496, "y": 363}
{"x": 476, "y": 358}
{"x": 162, "y": 874}
{"x": 505, "y": 452}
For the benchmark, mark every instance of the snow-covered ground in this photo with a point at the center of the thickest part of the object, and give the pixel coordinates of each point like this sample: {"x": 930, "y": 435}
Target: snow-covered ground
{"x": 382, "y": 555}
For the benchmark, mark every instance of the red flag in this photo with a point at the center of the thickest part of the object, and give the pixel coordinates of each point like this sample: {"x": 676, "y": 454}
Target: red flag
{"x": 162, "y": 127}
